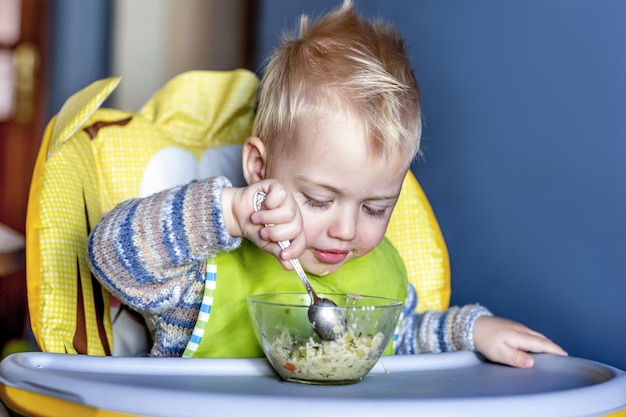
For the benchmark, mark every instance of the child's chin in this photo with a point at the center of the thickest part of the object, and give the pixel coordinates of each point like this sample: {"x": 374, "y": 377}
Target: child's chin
{"x": 321, "y": 269}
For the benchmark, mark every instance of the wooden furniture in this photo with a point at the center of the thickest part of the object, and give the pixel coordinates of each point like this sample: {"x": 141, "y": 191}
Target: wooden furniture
{"x": 12, "y": 285}
{"x": 12, "y": 251}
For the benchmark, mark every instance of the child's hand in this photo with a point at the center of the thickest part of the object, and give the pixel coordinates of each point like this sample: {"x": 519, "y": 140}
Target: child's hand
{"x": 508, "y": 342}
{"x": 279, "y": 220}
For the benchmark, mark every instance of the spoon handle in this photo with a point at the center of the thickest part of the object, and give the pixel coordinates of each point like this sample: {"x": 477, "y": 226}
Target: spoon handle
{"x": 258, "y": 200}
{"x": 301, "y": 274}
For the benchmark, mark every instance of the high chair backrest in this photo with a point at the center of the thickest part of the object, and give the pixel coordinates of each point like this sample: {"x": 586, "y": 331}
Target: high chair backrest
{"x": 93, "y": 158}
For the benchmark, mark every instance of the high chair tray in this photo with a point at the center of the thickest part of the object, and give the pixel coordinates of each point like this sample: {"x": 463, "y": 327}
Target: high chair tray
{"x": 447, "y": 384}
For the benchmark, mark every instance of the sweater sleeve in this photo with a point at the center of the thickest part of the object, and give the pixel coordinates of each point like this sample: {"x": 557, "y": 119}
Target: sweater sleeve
{"x": 149, "y": 251}
{"x": 434, "y": 331}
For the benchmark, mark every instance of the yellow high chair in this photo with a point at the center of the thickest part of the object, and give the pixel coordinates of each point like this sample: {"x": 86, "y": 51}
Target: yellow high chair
{"x": 93, "y": 158}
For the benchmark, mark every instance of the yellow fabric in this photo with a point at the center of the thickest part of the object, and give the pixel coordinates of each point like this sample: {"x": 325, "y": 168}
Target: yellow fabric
{"x": 414, "y": 231}
{"x": 77, "y": 109}
{"x": 33, "y": 404}
{"x": 63, "y": 206}
{"x": 194, "y": 111}
{"x": 77, "y": 178}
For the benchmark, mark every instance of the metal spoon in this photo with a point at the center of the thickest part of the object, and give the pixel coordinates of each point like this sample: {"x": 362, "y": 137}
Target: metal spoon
{"x": 325, "y": 318}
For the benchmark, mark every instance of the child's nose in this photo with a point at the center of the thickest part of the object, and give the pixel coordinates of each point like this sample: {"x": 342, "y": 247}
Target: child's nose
{"x": 344, "y": 224}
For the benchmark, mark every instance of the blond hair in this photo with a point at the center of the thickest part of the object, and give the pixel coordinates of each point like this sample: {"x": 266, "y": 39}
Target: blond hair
{"x": 343, "y": 59}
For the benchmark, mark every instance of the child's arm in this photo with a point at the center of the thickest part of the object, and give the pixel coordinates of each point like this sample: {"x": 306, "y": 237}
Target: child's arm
{"x": 147, "y": 251}
{"x": 471, "y": 327}
{"x": 155, "y": 245}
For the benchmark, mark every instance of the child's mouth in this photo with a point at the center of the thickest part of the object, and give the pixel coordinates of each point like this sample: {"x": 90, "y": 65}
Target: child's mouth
{"x": 330, "y": 256}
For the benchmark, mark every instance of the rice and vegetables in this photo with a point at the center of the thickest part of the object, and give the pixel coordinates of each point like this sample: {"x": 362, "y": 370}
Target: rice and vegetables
{"x": 346, "y": 358}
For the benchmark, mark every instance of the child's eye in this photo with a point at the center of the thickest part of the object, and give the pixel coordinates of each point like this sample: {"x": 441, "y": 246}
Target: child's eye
{"x": 311, "y": 202}
{"x": 376, "y": 213}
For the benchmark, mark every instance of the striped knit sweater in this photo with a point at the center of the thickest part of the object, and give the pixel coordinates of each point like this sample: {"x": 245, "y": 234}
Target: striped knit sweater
{"x": 151, "y": 254}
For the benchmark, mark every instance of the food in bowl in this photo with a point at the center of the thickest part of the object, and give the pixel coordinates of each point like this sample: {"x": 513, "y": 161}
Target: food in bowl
{"x": 346, "y": 358}
{"x": 297, "y": 353}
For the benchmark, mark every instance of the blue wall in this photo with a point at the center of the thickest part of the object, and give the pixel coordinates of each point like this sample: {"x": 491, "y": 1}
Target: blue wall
{"x": 525, "y": 149}
{"x": 79, "y": 47}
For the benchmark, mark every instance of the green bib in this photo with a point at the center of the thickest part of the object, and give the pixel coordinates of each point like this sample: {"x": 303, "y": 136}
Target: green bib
{"x": 250, "y": 270}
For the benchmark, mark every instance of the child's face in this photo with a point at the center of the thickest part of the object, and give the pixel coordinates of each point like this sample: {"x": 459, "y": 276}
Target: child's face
{"x": 346, "y": 193}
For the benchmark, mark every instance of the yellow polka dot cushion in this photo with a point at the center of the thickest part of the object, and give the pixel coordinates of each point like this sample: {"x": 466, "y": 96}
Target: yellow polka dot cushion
{"x": 91, "y": 158}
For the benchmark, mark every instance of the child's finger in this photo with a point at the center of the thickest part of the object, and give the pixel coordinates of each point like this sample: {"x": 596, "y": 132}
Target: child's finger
{"x": 541, "y": 345}
{"x": 294, "y": 250}
{"x": 520, "y": 359}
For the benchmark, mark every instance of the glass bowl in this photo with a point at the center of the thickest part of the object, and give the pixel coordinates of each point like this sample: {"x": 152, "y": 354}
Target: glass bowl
{"x": 297, "y": 353}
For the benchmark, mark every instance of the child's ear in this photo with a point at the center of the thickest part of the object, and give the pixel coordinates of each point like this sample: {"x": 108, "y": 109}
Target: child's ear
{"x": 253, "y": 159}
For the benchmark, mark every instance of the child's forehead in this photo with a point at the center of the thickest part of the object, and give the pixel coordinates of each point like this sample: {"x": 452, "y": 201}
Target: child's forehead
{"x": 324, "y": 126}
{"x": 333, "y": 145}
{"x": 336, "y": 124}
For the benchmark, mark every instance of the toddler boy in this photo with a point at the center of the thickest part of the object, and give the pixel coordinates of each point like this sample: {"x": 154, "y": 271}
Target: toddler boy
{"x": 337, "y": 127}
